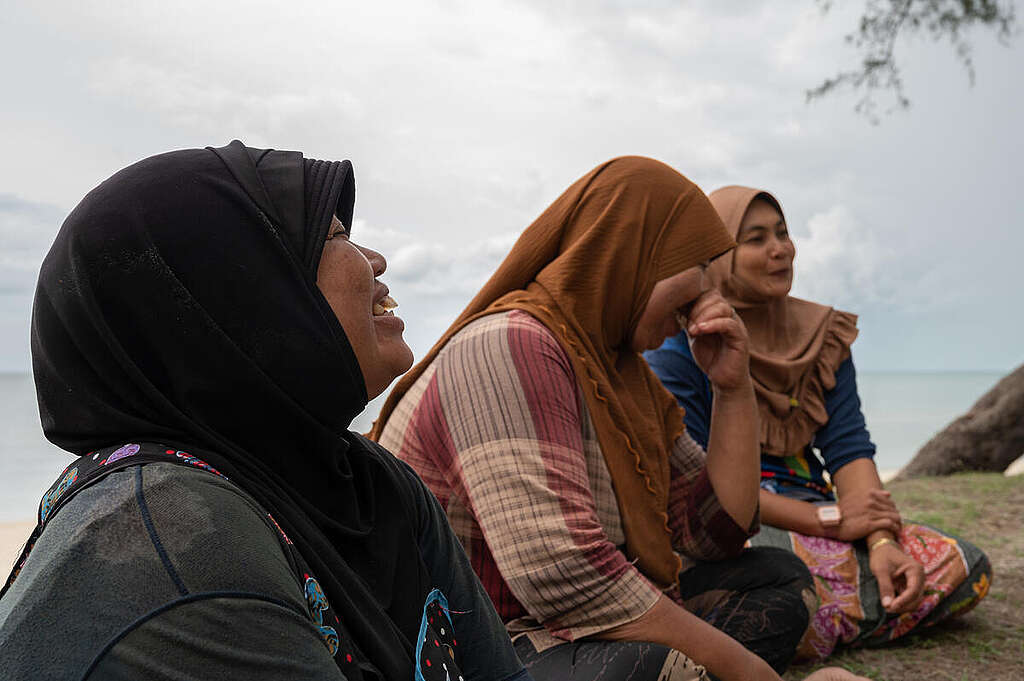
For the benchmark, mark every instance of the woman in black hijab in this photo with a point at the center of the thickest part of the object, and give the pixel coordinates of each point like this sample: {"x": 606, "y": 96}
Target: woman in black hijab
{"x": 203, "y": 334}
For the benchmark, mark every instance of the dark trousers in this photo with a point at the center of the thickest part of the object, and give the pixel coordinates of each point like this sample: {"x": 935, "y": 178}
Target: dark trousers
{"x": 763, "y": 598}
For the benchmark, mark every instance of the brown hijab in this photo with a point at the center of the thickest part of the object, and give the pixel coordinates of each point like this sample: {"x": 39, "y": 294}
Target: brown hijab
{"x": 585, "y": 268}
{"x": 795, "y": 345}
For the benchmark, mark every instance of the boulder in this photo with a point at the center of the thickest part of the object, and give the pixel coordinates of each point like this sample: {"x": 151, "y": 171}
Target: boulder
{"x": 989, "y": 437}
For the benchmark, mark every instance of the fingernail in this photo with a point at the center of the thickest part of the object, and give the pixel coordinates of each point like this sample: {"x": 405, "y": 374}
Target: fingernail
{"x": 886, "y": 600}
{"x": 692, "y": 330}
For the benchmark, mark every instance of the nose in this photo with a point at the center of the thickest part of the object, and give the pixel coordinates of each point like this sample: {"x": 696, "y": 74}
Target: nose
{"x": 377, "y": 260}
{"x": 776, "y": 248}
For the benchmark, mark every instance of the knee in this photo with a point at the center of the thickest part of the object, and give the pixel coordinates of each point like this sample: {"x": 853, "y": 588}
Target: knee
{"x": 781, "y": 569}
{"x": 979, "y": 571}
{"x": 782, "y": 589}
{"x": 795, "y": 599}
{"x": 980, "y": 576}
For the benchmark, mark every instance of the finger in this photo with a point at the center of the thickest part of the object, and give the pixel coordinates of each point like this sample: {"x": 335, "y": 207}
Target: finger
{"x": 883, "y": 523}
{"x": 720, "y": 309}
{"x": 705, "y": 349}
{"x": 884, "y": 505}
{"x": 882, "y": 498}
{"x": 913, "y": 575}
{"x": 905, "y": 595}
{"x": 892, "y": 516}
{"x": 706, "y": 299}
{"x": 729, "y": 328}
{"x": 885, "y": 590}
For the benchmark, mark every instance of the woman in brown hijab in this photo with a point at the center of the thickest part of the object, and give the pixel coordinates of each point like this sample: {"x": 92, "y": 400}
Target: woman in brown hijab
{"x": 610, "y": 543}
{"x": 877, "y": 578}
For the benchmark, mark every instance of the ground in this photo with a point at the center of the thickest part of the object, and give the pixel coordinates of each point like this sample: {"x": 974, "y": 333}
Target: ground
{"x": 988, "y": 642}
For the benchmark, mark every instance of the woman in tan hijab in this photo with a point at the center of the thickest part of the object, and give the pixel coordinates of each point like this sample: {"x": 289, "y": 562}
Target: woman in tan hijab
{"x": 610, "y": 543}
{"x": 877, "y": 578}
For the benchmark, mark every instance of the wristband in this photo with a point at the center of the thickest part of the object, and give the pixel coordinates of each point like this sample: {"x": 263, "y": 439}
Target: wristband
{"x": 829, "y": 516}
{"x": 882, "y": 541}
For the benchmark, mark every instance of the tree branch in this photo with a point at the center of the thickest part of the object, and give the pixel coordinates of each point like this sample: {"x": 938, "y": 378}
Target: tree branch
{"x": 884, "y": 21}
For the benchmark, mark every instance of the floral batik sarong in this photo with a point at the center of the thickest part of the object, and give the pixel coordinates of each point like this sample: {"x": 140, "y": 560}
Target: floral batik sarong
{"x": 957, "y": 577}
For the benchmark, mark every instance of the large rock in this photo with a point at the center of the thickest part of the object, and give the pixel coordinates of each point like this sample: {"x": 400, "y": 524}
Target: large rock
{"x": 989, "y": 437}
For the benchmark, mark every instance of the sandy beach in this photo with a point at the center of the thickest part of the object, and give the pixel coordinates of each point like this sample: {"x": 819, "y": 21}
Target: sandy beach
{"x": 12, "y": 537}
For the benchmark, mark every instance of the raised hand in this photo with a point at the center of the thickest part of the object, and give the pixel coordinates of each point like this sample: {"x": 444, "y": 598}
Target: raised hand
{"x": 719, "y": 342}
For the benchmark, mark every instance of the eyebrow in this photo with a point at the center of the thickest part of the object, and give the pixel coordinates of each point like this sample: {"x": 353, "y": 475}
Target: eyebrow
{"x": 752, "y": 228}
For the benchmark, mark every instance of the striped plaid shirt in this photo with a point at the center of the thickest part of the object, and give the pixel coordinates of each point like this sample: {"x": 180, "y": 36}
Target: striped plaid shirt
{"x": 498, "y": 428}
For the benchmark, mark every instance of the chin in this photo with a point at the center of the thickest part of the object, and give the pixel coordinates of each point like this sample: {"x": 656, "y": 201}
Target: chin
{"x": 776, "y": 290}
{"x": 400, "y": 358}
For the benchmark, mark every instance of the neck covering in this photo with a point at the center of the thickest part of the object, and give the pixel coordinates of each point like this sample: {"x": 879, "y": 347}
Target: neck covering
{"x": 795, "y": 345}
{"x": 179, "y": 305}
{"x": 585, "y": 268}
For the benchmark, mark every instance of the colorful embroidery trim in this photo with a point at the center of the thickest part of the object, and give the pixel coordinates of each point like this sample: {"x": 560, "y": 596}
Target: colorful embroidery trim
{"x": 317, "y": 602}
{"x": 197, "y": 462}
{"x": 122, "y": 453}
{"x": 435, "y": 648}
{"x": 50, "y": 497}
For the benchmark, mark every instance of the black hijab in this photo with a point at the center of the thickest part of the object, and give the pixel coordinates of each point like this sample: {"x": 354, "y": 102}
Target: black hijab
{"x": 179, "y": 305}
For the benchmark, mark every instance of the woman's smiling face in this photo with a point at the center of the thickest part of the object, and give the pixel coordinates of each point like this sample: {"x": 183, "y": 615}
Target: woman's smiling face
{"x": 763, "y": 259}
{"x": 347, "y": 276}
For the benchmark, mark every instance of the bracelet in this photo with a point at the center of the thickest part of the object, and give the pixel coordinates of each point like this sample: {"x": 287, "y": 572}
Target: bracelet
{"x": 882, "y": 541}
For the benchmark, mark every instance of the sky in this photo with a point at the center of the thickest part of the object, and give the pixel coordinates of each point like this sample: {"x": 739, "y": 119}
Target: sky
{"x": 465, "y": 119}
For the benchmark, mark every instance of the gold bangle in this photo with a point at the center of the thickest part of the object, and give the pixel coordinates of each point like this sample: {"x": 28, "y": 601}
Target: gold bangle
{"x": 880, "y": 542}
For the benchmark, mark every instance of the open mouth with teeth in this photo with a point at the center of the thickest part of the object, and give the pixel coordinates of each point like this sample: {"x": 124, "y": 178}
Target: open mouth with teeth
{"x": 384, "y": 306}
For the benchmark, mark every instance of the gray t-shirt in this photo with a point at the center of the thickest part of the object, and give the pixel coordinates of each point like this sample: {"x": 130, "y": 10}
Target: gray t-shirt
{"x": 162, "y": 571}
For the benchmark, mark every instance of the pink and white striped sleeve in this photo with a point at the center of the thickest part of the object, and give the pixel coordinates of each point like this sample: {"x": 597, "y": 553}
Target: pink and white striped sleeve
{"x": 511, "y": 404}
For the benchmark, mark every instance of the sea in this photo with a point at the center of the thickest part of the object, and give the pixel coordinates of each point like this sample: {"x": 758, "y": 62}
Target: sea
{"x": 902, "y": 410}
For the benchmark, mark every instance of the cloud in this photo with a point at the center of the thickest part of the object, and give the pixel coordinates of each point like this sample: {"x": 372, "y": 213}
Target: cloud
{"x": 840, "y": 261}
{"x": 433, "y": 276}
{"x": 844, "y": 262}
{"x": 193, "y": 100}
{"x": 464, "y": 119}
{"x": 433, "y": 269}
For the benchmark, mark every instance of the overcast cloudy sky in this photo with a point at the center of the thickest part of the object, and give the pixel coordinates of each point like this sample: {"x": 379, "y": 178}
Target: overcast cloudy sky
{"x": 465, "y": 119}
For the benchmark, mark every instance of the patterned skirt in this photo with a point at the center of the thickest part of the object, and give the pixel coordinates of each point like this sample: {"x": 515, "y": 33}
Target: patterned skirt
{"x": 850, "y": 613}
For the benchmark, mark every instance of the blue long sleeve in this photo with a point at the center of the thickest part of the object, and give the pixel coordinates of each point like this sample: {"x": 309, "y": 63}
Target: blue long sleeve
{"x": 674, "y": 365}
{"x": 844, "y": 437}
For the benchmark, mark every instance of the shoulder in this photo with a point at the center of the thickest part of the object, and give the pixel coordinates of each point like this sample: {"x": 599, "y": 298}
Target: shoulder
{"x": 512, "y": 337}
{"x": 512, "y": 326}
{"x": 205, "y": 531}
{"x": 201, "y": 517}
{"x": 138, "y": 542}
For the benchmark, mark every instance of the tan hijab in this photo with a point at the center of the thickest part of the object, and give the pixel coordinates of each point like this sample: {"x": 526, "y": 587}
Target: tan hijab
{"x": 795, "y": 345}
{"x": 585, "y": 268}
